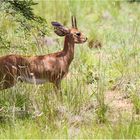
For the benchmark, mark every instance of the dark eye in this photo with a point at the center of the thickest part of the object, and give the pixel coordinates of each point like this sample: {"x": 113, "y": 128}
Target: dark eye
{"x": 78, "y": 34}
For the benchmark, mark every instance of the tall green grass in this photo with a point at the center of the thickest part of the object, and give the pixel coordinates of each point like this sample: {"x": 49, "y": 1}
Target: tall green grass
{"x": 83, "y": 112}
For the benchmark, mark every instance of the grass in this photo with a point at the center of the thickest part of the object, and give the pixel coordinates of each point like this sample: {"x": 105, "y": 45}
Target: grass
{"x": 101, "y": 92}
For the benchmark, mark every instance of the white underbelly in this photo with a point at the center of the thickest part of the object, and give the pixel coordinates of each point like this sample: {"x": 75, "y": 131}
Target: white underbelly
{"x": 33, "y": 80}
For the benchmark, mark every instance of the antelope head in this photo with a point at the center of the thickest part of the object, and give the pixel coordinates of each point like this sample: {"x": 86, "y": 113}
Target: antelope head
{"x": 61, "y": 30}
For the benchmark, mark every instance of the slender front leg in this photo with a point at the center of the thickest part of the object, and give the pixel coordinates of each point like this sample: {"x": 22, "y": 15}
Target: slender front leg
{"x": 58, "y": 85}
{"x": 33, "y": 99}
{"x": 57, "y": 88}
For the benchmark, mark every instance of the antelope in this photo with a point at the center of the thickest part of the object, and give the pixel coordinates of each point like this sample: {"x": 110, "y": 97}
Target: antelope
{"x": 45, "y": 68}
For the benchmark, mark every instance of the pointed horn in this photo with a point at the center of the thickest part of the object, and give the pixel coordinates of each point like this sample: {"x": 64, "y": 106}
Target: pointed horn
{"x": 75, "y": 22}
{"x": 72, "y": 21}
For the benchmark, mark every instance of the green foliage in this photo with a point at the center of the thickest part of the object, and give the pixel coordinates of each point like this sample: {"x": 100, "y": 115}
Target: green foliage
{"x": 23, "y": 7}
{"x": 133, "y": 0}
{"x": 21, "y": 21}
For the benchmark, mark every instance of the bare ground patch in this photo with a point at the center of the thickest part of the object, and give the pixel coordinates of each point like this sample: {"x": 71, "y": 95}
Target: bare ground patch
{"x": 119, "y": 106}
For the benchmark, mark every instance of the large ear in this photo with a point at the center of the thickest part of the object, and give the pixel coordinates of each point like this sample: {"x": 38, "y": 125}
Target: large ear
{"x": 60, "y": 29}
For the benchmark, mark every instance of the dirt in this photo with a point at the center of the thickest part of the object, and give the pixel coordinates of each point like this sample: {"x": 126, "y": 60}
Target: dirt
{"x": 118, "y": 101}
{"x": 119, "y": 106}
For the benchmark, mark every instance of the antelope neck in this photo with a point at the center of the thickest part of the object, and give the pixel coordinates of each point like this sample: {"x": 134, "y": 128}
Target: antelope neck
{"x": 68, "y": 49}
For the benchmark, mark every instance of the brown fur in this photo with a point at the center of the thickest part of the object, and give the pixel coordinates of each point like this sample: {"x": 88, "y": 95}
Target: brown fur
{"x": 52, "y": 67}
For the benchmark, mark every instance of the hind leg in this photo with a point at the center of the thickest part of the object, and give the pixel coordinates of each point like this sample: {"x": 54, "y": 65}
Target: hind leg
{"x": 8, "y": 77}
{"x": 6, "y": 83}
